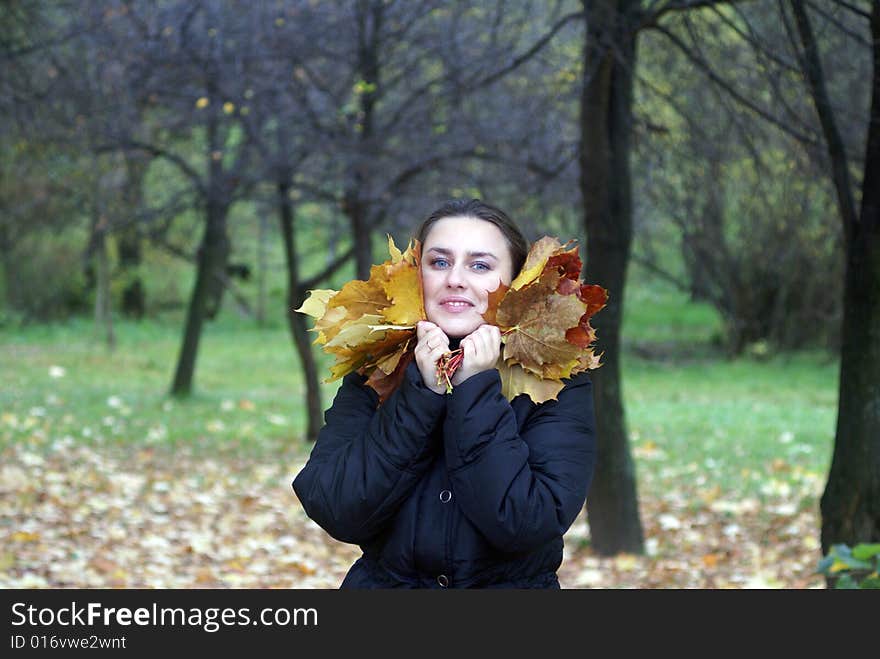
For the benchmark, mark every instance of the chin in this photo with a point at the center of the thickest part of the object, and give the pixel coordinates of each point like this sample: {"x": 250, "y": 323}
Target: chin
{"x": 458, "y": 329}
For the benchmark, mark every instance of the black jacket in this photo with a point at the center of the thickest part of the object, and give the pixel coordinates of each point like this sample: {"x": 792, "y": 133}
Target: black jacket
{"x": 459, "y": 490}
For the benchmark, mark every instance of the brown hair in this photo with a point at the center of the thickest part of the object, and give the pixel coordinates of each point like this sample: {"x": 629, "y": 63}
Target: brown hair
{"x": 516, "y": 242}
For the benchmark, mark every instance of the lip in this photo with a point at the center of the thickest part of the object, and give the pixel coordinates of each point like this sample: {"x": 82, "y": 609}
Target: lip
{"x": 454, "y": 304}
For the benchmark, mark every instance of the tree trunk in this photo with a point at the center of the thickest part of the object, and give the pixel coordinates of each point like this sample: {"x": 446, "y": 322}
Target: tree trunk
{"x": 850, "y": 504}
{"x": 8, "y": 271}
{"x": 216, "y": 286}
{"x": 211, "y": 262}
{"x": 369, "y": 17}
{"x": 218, "y": 203}
{"x": 103, "y": 309}
{"x": 356, "y": 210}
{"x": 606, "y": 125}
{"x": 296, "y": 321}
{"x": 133, "y": 294}
{"x": 262, "y": 268}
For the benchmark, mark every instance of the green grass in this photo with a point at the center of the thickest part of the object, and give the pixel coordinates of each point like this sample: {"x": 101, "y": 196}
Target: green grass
{"x": 739, "y": 424}
{"x": 657, "y": 313}
{"x": 246, "y": 395}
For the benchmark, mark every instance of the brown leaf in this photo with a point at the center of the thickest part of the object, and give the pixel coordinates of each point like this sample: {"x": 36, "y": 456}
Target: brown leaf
{"x": 494, "y": 301}
{"x": 567, "y": 262}
{"x": 385, "y": 383}
{"x": 103, "y": 565}
{"x": 535, "y": 319}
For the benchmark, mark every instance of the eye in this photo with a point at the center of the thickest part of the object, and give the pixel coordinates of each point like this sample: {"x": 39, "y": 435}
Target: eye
{"x": 440, "y": 263}
{"x": 479, "y": 266}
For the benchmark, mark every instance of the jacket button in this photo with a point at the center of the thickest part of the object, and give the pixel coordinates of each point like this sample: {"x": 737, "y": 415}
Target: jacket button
{"x": 445, "y": 496}
{"x": 443, "y": 580}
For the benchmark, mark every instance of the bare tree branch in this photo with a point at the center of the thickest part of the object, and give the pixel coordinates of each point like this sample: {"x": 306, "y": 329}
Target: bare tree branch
{"x": 740, "y": 98}
{"x": 527, "y": 55}
{"x": 659, "y": 9}
{"x": 840, "y": 26}
{"x": 836, "y": 151}
{"x": 851, "y": 7}
{"x": 314, "y": 280}
{"x": 158, "y": 152}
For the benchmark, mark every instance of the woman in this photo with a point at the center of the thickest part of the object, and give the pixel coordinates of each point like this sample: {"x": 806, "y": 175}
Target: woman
{"x": 458, "y": 490}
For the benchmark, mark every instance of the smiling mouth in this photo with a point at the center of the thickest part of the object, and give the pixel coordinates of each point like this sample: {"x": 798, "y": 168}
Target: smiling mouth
{"x": 456, "y": 306}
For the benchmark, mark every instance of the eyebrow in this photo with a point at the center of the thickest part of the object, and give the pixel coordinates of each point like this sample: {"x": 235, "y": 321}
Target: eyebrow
{"x": 478, "y": 255}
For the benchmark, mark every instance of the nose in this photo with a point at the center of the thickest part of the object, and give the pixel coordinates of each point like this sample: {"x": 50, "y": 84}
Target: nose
{"x": 454, "y": 278}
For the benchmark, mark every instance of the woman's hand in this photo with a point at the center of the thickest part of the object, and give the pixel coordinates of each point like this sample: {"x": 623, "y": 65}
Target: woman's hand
{"x": 482, "y": 349}
{"x": 432, "y": 344}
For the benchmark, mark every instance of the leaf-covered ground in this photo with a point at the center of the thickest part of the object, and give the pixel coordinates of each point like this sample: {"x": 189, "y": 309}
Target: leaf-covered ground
{"x": 86, "y": 516}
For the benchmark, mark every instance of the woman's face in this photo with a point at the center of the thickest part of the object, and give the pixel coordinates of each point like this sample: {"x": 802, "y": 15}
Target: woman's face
{"x": 463, "y": 260}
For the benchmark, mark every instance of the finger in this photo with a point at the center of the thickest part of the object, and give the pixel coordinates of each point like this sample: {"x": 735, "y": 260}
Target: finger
{"x": 437, "y": 338}
{"x": 423, "y": 327}
{"x": 426, "y": 335}
{"x": 479, "y": 338}
{"x": 433, "y": 346}
{"x": 491, "y": 335}
{"x": 468, "y": 347}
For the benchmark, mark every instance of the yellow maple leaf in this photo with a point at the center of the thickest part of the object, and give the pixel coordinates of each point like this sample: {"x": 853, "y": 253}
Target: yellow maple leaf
{"x": 328, "y": 325}
{"x": 538, "y": 255}
{"x": 316, "y": 304}
{"x": 367, "y": 325}
{"x": 515, "y": 380}
{"x": 356, "y": 333}
{"x": 359, "y": 297}
{"x": 396, "y": 254}
{"x": 404, "y": 289}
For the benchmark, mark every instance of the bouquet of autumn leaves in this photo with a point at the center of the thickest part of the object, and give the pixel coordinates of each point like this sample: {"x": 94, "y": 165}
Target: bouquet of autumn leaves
{"x": 544, "y": 318}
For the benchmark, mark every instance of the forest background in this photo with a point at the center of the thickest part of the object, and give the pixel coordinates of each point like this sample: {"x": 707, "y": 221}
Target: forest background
{"x": 175, "y": 176}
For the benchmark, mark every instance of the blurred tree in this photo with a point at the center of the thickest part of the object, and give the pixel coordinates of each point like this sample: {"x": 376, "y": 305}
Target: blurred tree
{"x": 850, "y": 510}
{"x": 47, "y": 103}
{"x": 184, "y": 63}
{"x": 731, "y": 164}
{"x": 609, "y": 62}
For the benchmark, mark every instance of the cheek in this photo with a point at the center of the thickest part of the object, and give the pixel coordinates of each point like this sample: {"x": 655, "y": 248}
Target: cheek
{"x": 428, "y": 284}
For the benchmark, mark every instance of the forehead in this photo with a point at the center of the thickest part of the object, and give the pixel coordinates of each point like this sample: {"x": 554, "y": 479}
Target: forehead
{"x": 463, "y": 233}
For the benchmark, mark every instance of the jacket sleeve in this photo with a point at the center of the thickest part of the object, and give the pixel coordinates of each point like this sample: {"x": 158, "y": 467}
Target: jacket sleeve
{"x": 520, "y": 488}
{"x": 366, "y": 460}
